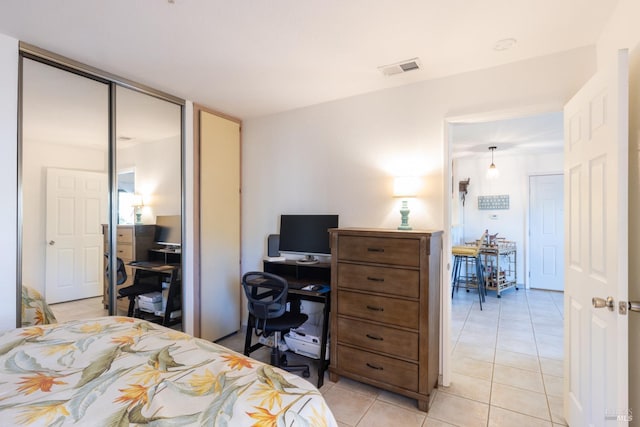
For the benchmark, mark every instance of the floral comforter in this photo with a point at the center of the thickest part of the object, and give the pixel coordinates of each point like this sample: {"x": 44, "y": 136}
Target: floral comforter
{"x": 35, "y": 310}
{"x": 118, "y": 371}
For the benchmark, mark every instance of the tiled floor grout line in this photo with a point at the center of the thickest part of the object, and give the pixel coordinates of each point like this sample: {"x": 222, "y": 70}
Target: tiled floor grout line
{"x": 535, "y": 340}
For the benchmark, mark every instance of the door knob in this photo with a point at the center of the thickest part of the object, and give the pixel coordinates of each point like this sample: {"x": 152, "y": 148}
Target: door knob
{"x": 599, "y": 302}
{"x": 634, "y": 305}
{"x": 52, "y": 242}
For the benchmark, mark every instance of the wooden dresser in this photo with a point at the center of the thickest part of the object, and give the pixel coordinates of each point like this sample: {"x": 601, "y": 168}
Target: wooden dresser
{"x": 132, "y": 243}
{"x": 385, "y": 317}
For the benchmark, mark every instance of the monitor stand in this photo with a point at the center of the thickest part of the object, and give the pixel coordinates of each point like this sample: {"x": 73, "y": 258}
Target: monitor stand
{"x": 308, "y": 259}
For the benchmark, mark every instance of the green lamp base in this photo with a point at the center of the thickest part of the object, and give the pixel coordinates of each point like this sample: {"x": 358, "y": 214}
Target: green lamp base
{"x": 404, "y": 213}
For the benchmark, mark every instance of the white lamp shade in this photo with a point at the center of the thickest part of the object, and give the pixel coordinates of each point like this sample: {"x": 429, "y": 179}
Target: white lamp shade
{"x": 136, "y": 200}
{"x": 493, "y": 172}
{"x": 405, "y": 186}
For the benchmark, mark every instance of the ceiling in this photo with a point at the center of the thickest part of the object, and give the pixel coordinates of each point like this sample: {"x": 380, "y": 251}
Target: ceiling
{"x": 249, "y": 58}
{"x": 65, "y": 108}
{"x": 521, "y": 135}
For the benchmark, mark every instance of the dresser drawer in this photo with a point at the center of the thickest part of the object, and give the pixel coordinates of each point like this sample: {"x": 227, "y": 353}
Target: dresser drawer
{"x": 380, "y": 309}
{"x": 377, "y": 367}
{"x": 125, "y": 252}
{"x": 393, "y": 281}
{"x": 124, "y": 235}
{"x": 379, "y": 250}
{"x": 378, "y": 338}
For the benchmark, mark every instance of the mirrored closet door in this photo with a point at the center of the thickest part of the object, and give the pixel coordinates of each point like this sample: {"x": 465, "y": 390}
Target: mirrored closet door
{"x": 65, "y": 140}
{"x": 82, "y": 169}
{"x": 149, "y": 232}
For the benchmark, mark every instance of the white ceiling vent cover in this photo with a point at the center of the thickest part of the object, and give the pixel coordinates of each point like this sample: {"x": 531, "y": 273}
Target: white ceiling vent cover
{"x": 401, "y": 67}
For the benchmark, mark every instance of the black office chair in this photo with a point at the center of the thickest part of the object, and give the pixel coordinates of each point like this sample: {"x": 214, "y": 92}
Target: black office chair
{"x": 267, "y": 297}
{"x": 121, "y": 271}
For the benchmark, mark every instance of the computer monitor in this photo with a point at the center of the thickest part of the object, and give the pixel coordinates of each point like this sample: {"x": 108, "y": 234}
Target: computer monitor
{"x": 306, "y": 235}
{"x": 169, "y": 230}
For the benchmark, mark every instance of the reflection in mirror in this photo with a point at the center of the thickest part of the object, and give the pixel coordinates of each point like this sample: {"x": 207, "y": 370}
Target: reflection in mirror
{"x": 129, "y": 203}
{"x": 64, "y": 187}
{"x": 64, "y": 183}
{"x": 148, "y": 141}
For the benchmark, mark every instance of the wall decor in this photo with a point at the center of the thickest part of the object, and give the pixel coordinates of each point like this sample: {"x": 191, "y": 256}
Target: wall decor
{"x": 493, "y": 202}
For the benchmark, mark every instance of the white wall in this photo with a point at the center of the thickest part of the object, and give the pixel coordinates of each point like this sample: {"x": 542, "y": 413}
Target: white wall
{"x": 514, "y": 181}
{"x": 158, "y": 167}
{"x": 43, "y": 155}
{"x": 341, "y": 156}
{"x": 8, "y": 177}
{"x": 622, "y": 31}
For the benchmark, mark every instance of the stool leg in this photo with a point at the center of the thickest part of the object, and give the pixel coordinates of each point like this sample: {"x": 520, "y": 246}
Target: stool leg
{"x": 484, "y": 287}
{"x": 455, "y": 276}
{"x": 480, "y": 278}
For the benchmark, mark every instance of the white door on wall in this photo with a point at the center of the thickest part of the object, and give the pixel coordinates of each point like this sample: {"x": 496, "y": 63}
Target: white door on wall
{"x": 76, "y": 207}
{"x": 546, "y": 232}
{"x": 596, "y": 249}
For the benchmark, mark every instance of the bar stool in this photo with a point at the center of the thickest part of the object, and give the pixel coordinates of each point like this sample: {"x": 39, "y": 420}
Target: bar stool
{"x": 467, "y": 254}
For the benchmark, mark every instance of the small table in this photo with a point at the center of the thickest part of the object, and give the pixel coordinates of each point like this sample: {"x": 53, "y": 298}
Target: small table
{"x": 147, "y": 268}
{"x": 500, "y": 264}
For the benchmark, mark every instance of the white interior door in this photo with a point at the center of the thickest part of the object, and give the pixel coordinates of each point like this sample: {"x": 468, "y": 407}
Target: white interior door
{"x": 596, "y": 249}
{"x": 76, "y": 208}
{"x": 546, "y": 237}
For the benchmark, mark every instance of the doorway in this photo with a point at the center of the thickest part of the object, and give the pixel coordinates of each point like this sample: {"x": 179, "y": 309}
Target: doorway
{"x": 527, "y": 144}
{"x": 546, "y": 225}
{"x": 76, "y": 207}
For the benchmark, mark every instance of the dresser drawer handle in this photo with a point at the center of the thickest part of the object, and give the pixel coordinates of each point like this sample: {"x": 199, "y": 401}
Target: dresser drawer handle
{"x": 378, "y": 368}
{"x": 375, "y": 279}
{"x": 375, "y": 249}
{"x": 375, "y": 308}
{"x": 373, "y": 337}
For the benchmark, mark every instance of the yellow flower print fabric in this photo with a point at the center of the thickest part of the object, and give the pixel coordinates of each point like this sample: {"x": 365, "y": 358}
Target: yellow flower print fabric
{"x": 121, "y": 371}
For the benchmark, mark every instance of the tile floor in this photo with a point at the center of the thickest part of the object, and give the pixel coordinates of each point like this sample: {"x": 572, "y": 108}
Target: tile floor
{"x": 506, "y": 363}
{"x": 80, "y": 309}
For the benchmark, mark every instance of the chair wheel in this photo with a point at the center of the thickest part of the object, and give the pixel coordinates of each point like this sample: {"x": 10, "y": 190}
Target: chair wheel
{"x": 306, "y": 373}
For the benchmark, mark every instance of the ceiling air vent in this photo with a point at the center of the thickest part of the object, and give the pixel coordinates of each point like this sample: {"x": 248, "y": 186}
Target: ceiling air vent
{"x": 400, "y": 67}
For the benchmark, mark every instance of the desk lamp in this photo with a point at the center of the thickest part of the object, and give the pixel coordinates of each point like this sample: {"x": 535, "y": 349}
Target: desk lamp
{"x": 405, "y": 187}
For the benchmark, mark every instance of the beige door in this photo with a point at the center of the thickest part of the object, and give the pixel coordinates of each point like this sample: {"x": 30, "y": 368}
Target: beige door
{"x": 219, "y": 226}
{"x": 596, "y": 249}
{"x": 76, "y": 208}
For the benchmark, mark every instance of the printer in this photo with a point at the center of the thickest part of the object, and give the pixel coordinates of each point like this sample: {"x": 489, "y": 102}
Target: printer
{"x": 305, "y": 340}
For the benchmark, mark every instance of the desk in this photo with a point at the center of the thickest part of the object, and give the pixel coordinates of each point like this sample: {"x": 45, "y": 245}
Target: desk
{"x": 161, "y": 271}
{"x": 299, "y": 275}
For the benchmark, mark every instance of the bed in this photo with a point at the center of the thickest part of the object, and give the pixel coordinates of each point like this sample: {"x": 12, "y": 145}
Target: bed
{"x": 35, "y": 311}
{"x": 125, "y": 371}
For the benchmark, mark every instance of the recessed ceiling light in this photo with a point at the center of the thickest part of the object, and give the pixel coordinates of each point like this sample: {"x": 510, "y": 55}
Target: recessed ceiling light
{"x": 504, "y": 44}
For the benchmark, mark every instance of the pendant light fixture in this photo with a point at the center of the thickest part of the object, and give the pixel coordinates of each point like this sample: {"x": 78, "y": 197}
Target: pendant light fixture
{"x": 493, "y": 171}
